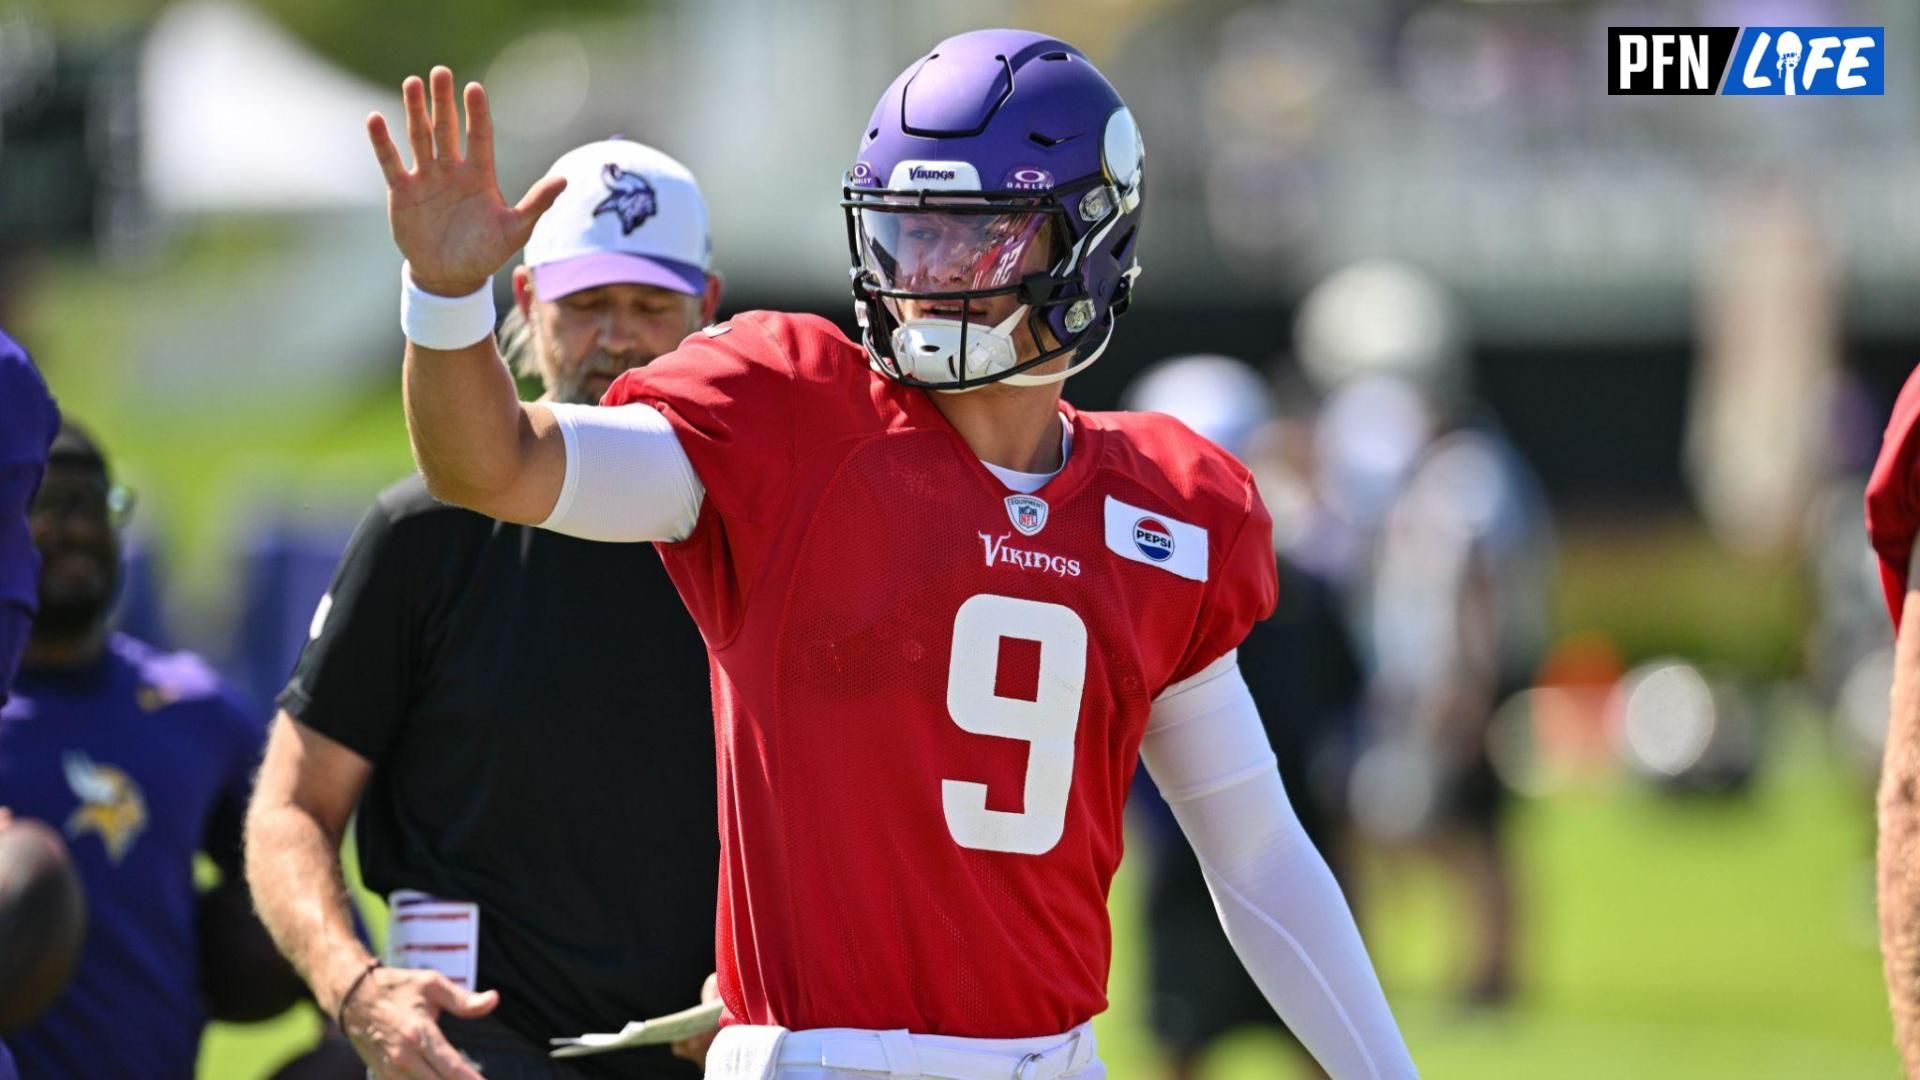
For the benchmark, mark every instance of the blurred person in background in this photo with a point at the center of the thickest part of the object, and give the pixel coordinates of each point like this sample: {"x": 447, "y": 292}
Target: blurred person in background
{"x": 1304, "y": 676}
{"x": 1893, "y": 523}
{"x": 141, "y": 759}
{"x": 1455, "y": 604}
{"x": 1849, "y": 655}
{"x": 519, "y": 716}
{"x": 28, "y": 422}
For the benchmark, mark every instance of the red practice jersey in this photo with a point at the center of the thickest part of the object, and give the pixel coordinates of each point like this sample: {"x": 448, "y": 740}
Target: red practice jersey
{"x": 1893, "y": 495}
{"x": 930, "y": 691}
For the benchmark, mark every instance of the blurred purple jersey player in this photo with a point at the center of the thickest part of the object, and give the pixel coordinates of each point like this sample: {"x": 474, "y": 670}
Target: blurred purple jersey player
{"x": 141, "y": 759}
{"x": 28, "y": 421}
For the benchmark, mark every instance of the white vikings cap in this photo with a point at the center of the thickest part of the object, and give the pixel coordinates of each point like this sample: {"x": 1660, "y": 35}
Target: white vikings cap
{"x": 630, "y": 215}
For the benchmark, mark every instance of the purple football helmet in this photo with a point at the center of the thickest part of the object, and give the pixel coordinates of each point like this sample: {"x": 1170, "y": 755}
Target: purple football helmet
{"x": 993, "y": 210}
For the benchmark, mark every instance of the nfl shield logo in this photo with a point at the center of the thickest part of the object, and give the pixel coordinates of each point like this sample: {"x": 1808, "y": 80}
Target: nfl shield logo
{"x": 1028, "y": 513}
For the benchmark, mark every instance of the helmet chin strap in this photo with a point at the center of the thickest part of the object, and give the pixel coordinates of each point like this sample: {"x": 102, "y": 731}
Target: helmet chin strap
{"x": 1024, "y": 379}
{"x": 1106, "y": 339}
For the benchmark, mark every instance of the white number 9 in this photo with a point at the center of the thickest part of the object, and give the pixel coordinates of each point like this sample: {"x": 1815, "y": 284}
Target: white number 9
{"x": 1047, "y": 723}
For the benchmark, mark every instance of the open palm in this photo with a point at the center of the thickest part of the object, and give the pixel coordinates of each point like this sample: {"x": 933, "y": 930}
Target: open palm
{"x": 447, "y": 215}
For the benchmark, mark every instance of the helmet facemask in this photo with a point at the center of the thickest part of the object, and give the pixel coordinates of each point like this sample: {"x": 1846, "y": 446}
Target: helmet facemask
{"x": 956, "y": 290}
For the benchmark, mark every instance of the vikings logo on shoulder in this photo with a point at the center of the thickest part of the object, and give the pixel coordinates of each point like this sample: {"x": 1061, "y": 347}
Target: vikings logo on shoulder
{"x": 630, "y": 198}
{"x": 1027, "y": 512}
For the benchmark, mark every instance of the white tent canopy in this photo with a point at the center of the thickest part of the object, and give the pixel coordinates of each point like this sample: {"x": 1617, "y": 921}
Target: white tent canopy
{"x": 238, "y": 115}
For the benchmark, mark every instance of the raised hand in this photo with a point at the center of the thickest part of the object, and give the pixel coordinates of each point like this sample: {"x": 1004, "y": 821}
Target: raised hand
{"x": 447, "y": 215}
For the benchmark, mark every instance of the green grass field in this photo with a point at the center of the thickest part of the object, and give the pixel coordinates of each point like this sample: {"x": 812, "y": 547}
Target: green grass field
{"x": 1665, "y": 938}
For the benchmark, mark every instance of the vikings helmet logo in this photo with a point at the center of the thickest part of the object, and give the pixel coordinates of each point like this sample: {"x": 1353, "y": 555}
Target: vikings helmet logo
{"x": 629, "y": 197}
{"x": 110, "y": 804}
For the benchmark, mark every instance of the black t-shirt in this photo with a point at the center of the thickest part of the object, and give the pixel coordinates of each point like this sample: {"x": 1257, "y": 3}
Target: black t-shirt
{"x": 1304, "y": 676}
{"x": 538, "y": 713}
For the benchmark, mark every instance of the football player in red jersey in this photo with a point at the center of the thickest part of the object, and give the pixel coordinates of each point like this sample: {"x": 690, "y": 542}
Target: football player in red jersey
{"x": 1893, "y": 522}
{"x": 946, "y": 611}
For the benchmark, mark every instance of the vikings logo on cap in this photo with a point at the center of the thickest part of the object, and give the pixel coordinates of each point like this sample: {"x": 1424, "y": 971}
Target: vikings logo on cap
{"x": 1027, "y": 512}
{"x": 1153, "y": 538}
{"x": 630, "y": 198}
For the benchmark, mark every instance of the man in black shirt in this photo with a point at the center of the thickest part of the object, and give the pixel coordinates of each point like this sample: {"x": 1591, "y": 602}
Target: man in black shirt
{"x": 1305, "y": 676}
{"x": 522, "y": 717}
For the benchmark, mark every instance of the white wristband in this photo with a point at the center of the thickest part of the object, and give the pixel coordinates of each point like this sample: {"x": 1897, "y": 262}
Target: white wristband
{"x": 444, "y": 322}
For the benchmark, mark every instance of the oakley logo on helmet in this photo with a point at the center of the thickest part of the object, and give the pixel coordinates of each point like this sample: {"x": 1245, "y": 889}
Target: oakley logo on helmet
{"x": 1028, "y": 178}
{"x": 630, "y": 198}
{"x": 862, "y": 175}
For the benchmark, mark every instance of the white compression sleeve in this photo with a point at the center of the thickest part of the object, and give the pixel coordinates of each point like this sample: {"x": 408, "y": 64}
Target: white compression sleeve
{"x": 1282, "y": 910}
{"x": 628, "y": 478}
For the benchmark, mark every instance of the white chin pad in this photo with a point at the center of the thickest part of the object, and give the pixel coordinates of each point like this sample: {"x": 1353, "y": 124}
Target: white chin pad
{"x": 928, "y": 349}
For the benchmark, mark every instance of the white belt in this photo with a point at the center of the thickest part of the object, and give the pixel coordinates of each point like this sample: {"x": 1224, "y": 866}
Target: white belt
{"x": 900, "y": 1053}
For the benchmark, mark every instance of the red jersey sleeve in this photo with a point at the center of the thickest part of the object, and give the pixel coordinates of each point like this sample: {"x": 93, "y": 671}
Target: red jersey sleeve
{"x": 1893, "y": 496}
{"x": 1242, "y": 591}
{"x": 749, "y": 400}
{"x": 727, "y": 391}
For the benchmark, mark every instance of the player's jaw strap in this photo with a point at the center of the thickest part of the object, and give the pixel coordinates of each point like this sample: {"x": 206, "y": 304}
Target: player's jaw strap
{"x": 1019, "y": 379}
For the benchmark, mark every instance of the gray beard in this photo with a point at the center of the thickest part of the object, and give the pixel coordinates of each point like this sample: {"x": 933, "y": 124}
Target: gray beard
{"x": 569, "y": 384}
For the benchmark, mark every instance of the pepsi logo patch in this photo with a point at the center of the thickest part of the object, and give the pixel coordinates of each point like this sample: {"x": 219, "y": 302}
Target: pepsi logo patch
{"x": 1152, "y": 538}
{"x": 1027, "y": 512}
